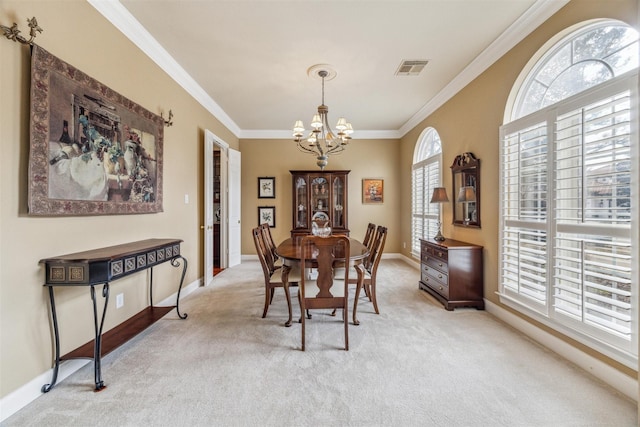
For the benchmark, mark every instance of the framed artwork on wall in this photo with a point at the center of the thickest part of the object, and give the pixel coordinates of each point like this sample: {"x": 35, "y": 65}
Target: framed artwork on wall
{"x": 92, "y": 151}
{"x": 267, "y": 214}
{"x": 266, "y": 187}
{"x": 372, "y": 191}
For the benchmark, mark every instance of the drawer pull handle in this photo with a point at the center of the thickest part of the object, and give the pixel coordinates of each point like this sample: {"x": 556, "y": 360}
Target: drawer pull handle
{"x": 440, "y": 254}
{"x": 439, "y": 276}
{"x": 440, "y": 265}
{"x": 441, "y": 288}
{"x": 426, "y": 279}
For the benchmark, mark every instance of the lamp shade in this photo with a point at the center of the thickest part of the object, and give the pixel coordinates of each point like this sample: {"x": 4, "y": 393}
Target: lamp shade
{"x": 467, "y": 194}
{"x": 439, "y": 195}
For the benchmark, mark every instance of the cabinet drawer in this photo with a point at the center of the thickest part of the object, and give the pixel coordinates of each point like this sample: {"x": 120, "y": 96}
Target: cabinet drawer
{"x": 439, "y": 253}
{"x": 435, "y": 251}
{"x": 439, "y": 287}
{"x": 438, "y": 264}
{"x": 438, "y": 276}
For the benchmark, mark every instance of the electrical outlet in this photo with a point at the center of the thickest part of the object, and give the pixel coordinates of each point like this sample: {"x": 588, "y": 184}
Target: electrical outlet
{"x": 119, "y": 300}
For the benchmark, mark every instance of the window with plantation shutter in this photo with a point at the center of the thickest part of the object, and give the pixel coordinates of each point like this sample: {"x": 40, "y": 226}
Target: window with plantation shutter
{"x": 569, "y": 172}
{"x": 426, "y": 175}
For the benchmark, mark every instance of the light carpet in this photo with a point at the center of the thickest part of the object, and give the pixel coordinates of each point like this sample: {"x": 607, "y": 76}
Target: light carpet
{"x": 415, "y": 364}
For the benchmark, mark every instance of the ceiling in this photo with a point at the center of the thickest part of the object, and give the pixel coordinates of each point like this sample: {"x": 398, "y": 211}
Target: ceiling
{"x": 247, "y": 61}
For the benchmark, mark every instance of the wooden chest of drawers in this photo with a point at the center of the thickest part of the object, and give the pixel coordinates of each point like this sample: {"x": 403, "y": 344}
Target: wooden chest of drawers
{"x": 452, "y": 272}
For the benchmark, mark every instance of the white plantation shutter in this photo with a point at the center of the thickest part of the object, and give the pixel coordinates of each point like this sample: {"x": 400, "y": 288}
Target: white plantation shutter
{"x": 592, "y": 260}
{"x": 426, "y": 175}
{"x": 568, "y": 216}
{"x": 524, "y": 212}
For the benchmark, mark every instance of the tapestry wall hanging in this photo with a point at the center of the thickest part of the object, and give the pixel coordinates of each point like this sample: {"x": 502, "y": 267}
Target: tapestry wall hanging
{"x": 92, "y": 151}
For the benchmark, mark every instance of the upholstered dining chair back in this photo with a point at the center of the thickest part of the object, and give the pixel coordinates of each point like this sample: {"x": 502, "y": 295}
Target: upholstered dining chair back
{"x": 325, "y": 291}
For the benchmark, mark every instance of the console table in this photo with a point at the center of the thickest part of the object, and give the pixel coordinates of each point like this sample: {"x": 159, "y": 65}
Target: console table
{"x": 99, "y": 267}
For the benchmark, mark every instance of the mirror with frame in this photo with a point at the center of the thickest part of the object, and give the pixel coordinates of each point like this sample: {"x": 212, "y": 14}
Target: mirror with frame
{"x": 465, "y": 172}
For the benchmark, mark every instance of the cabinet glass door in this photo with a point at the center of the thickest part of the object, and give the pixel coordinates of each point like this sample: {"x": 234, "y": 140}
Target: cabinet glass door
{"x": 301, "y": 203}
{"x": 319, "y": 197}
{"x": 338, "y": 202}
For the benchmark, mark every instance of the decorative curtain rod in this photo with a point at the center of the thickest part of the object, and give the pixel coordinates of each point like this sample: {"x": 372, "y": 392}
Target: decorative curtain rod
{"x": 13, "y": 33}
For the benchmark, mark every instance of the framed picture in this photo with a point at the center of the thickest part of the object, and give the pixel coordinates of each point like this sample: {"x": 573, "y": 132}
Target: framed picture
{"x": 92, "y": 151}
{"x": 267, "y": 214}
{"x": 266, "y": 187}
{"x": 372, "y": 190}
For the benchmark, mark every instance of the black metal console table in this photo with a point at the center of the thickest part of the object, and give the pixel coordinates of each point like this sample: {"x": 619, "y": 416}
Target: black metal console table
{"x": 99, "y": 267}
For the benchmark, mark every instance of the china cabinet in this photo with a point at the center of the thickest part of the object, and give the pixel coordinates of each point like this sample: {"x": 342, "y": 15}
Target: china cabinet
{"x": 319, "y": 196}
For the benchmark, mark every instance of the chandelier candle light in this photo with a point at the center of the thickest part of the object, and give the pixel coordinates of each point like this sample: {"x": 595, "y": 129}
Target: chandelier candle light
{"x": 321, "y": 140}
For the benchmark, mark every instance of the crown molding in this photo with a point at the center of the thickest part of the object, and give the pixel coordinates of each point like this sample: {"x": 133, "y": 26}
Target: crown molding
{"x": 286, "y": 134}
{"x": 124, "y": 21}
{"x": 538, "y": 13}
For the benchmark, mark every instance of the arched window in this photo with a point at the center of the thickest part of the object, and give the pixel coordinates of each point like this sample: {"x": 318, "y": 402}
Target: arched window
{"x": 595, "y": 53}
{"x": 426, "y": 175}
{"x": 568, "y": 221}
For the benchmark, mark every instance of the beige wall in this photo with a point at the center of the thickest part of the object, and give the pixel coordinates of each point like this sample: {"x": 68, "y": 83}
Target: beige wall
{"x": 364, "y": 158}
{"x": 470, "y": 121}
{"x": 77, "y": 34}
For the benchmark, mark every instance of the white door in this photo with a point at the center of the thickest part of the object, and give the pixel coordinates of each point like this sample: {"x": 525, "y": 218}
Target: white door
{"x": 234, "y": 208}
{"x": 211, "y": 141}
{"x": 208, "y": 211}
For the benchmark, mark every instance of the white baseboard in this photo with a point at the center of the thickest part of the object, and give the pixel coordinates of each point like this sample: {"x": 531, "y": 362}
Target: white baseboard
{"x": 607, "y": 374}
{"x": 29, "y": 392}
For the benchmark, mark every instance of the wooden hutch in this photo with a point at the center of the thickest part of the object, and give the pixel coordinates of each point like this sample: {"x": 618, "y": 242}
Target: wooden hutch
{"x": 319, "y": 194}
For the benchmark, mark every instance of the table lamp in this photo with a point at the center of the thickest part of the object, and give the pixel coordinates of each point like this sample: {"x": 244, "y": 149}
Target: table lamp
{"x": 439, "y": 196}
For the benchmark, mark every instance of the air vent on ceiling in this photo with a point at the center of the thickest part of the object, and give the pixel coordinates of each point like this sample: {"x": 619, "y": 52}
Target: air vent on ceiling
{"x": 411, "y": 68}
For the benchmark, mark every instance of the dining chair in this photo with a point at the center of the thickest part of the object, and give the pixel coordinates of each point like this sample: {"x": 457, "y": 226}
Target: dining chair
{"x": 272, "y": 274}
{"x": 370, "y": 268}
{"x": 325, "y": 291}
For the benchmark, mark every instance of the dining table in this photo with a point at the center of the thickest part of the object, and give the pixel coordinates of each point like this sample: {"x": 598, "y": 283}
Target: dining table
{"x": 291, "y": 251}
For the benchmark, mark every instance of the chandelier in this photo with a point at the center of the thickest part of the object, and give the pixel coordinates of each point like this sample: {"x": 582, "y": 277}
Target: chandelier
{"x": 321, "y": 140}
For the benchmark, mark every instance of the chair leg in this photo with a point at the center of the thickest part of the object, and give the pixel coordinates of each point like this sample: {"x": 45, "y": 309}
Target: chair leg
{"x": 268, "y": 293}
{"x": 372, "y": 295}
{"x": 302, "y": 322}
{"x": 346, "y": 328}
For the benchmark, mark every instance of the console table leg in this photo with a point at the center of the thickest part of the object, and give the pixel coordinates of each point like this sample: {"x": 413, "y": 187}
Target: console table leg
{"x": 45, "y": 388}
{"x": 151, "y": 286}
{"x": 176, "y": 263}
{"x": 97, "y": 346}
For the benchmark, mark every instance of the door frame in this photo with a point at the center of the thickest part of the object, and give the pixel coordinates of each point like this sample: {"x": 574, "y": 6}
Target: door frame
{"x": 210, "y": 142}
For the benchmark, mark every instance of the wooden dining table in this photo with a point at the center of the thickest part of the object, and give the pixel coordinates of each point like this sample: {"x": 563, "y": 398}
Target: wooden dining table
{"x": 291, "y": 251}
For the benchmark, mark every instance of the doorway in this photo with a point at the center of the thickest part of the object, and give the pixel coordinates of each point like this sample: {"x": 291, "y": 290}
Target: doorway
{"x": 221, "y": 206}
